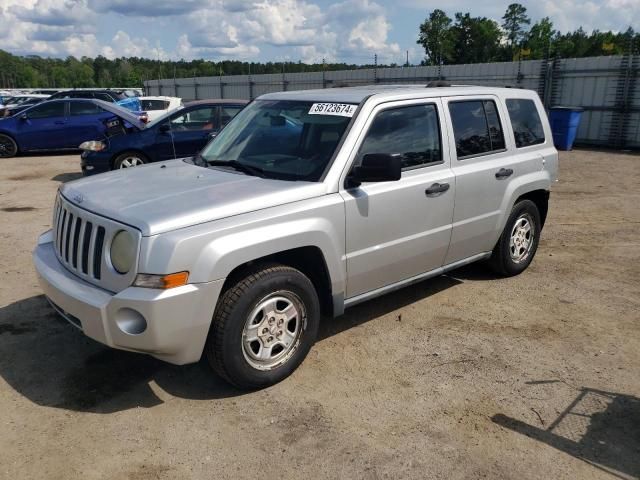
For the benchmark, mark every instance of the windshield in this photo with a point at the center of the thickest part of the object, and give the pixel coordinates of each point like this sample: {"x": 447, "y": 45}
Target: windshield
{"x": 282, "y": 138}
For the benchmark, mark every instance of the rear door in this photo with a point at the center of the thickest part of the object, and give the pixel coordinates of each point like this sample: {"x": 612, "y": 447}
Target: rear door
{"x": 43, "y": 126}
{"x": 484, "y": 165}
{"x": 399, "y": 230}
{"x": 85, "y": 122}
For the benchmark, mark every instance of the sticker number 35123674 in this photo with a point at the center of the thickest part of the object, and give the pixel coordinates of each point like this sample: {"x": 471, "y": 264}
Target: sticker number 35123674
{"x": 341, "y": 109}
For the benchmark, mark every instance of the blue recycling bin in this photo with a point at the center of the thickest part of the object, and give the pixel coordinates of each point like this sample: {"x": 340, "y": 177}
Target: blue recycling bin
{"x": 564, "y": 125}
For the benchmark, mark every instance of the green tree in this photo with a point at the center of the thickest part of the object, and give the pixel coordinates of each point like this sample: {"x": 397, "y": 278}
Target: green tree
{"x": 476, "y": 39}
{"x": 539, "y": 39}
{"x": 514, "y": 21}
{"x": 436, "y": 38}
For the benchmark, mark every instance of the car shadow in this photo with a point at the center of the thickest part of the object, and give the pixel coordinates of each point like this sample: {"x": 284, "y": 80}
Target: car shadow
{"x": 52, "y": 364}
{"x": 66, "y": 177}
{"x": 598, "y": 427}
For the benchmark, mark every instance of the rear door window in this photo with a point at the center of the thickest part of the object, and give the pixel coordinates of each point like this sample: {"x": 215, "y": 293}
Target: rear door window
{"x": 84, "y": 108}
{"x": 476, "y": 127}
{"x": 525, "y": 120}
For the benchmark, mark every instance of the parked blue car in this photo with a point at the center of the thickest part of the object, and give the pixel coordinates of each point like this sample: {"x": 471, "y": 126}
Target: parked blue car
{"x": 60, "y": 125}
{"x": 180, "y": 133}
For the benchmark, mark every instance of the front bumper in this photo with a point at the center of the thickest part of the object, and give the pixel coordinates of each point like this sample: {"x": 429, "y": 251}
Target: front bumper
{"x": 94, "y": 162}
{"x": 174, "y": 324}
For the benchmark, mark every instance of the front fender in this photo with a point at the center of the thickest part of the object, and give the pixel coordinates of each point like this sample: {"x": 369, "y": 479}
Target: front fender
{"x": 212, "y": 251}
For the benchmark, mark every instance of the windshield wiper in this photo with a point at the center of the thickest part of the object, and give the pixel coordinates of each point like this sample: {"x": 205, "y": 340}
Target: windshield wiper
{"x": 241, "y": 167}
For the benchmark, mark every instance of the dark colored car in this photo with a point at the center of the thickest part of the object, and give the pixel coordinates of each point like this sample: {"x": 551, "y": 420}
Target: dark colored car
{"x": 60, "y": 125}
{"x": 180, "y": 133}
{"x": 19, "y": 103}
{"x": 125, "y": 98}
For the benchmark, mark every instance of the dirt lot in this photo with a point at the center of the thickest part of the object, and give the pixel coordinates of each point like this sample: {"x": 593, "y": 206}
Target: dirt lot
{"x": 464, "y": 376}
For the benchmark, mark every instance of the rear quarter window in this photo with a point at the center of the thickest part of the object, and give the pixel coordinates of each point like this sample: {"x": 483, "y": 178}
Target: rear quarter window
{"x": 154, "y": 104}
{"x": 526, "y": 123}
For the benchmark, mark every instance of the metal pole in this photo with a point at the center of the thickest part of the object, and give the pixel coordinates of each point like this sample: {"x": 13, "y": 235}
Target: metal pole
{"x": 324, "y": 80}
{"x": 375, "y": 69}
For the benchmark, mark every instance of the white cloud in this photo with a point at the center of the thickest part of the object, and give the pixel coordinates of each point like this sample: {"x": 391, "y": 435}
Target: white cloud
{"x": 52, "y": 12}
{"x": 310, "y": 30}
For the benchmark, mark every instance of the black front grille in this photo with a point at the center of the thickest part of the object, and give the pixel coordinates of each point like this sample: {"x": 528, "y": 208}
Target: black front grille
{"x": 79, "y": 242}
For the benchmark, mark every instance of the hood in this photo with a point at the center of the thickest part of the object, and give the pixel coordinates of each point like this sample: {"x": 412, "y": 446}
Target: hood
{"x": 166, "y": 196}
{"x": 123, "y": 113}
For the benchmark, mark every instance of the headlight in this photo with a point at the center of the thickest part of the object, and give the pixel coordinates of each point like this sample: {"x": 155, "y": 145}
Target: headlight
{"x": 123, "y": 251}
{"x": 93, "y": 146}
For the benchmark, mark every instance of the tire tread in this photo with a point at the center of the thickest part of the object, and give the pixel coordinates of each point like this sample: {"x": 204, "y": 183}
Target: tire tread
{"x": 224, "y": 309}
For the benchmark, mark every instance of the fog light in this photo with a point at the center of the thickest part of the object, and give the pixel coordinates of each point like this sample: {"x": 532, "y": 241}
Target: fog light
{"x": 130, "y": 321}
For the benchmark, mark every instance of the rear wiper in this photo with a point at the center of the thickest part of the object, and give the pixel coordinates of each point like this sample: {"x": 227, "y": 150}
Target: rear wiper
{"x": 241, "y": 167}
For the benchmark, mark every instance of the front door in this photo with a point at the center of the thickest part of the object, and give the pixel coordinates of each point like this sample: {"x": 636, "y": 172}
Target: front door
{"x": 193, "y": 129}
{"x": 42, "y": 126}
{"x": 399, "y": 230}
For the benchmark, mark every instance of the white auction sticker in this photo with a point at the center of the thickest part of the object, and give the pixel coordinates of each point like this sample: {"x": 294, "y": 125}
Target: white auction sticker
{"x": 341, "y": 109}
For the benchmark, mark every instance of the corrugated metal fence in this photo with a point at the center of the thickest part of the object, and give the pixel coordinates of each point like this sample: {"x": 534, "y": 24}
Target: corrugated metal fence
{"x": 606, "y": 87}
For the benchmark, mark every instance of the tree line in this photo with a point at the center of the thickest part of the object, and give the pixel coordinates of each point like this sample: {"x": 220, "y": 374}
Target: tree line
{"x": 467, "y": 39}
{"x": 458, "y": 40}
{"x": 34, "y": 71}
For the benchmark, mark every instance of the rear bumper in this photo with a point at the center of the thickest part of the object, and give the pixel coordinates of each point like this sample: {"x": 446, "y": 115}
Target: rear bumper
{"x": 171, "y": 325}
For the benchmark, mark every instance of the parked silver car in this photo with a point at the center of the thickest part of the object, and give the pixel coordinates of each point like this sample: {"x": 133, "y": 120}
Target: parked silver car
{"x": 307, "y": 203}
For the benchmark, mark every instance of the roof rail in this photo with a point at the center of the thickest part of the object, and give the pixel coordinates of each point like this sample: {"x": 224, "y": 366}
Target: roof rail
{"x": 438, "y": 83}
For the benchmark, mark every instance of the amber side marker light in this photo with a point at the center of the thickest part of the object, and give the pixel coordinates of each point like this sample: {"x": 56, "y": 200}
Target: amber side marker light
{"x": 163, "y": 282}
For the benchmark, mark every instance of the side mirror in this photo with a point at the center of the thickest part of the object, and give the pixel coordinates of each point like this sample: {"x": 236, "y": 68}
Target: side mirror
{"x": 24, "y": 117}
{"x": 376, "y": 167}
{"x": 164, "y": 128}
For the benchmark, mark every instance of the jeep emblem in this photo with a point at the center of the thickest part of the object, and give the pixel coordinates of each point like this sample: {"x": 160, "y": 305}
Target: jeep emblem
{"x": 78, "y": 198}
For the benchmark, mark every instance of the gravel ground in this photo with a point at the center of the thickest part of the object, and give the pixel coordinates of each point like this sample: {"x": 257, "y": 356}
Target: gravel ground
{"x": 464, "y": 376}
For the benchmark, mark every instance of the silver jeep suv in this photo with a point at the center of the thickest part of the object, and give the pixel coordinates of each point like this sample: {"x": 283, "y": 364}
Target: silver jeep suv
{"x": 306, "y": 203}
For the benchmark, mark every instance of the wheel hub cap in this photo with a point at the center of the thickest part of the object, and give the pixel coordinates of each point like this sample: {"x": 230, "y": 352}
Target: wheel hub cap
{"x": 272, "y": 331}
{"x": 522, "y": 238}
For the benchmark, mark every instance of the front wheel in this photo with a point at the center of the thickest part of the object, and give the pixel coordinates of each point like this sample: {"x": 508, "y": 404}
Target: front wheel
{"x": 8, "y": 146}
{"x": 128, "y": 160}
{"x": 519, "y": 240}
{"x": 263, "y": 327}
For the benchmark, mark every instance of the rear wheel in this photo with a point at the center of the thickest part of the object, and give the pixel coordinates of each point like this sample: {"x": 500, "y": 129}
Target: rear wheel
{"x": 519, "y": 240}
{"x": 263, "y": 327}
{"x": 8, "y": 146}
{"x": 129, "y": 159}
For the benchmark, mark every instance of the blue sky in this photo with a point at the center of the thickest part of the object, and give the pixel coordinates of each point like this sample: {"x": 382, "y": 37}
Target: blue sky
{"x": 262, "y": 30}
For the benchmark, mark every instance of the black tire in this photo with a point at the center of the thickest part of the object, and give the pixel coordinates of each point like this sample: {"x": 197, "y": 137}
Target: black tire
{"x": 120, "y": 160}
{"x": 503, "y": 259}
{"x": 8, "y": 146}
{"x": 228, "y": 350}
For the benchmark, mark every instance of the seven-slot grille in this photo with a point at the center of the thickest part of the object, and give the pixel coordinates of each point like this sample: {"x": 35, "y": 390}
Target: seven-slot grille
{"x": 79, "y": 243}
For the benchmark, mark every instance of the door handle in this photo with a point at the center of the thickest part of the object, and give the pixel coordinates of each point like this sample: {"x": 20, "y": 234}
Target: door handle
{"x": 59, "y": 122}
{"x": 436, "y": 189}
{"x": 504, "y": 173}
